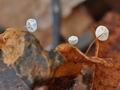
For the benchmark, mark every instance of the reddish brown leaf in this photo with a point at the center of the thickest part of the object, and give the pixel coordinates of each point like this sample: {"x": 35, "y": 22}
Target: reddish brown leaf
{"x": 109, "y": 78}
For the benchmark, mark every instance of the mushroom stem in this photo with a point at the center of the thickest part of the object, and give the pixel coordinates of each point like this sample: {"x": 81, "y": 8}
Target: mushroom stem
{"x": 97, "y": 48}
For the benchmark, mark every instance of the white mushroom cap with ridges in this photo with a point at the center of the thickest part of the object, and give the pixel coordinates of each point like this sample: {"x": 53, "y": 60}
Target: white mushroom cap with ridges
{"x": 73, "y": 40}
{"x": 31, "y": 25}
{"x": 102, "y": 33}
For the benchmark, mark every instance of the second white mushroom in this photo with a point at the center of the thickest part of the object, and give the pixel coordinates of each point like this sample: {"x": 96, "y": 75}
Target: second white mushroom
{"x": 73, "y": 40}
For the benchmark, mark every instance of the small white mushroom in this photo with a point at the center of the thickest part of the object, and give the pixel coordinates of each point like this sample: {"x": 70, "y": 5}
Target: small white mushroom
{"x": 31, "y": 25}
{"x": 102, "y": 33}
{"x": 73, "y": 40}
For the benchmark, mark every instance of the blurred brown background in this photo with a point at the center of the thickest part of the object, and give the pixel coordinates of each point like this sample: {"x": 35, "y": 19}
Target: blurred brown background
{"x": 77, "y": 15}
